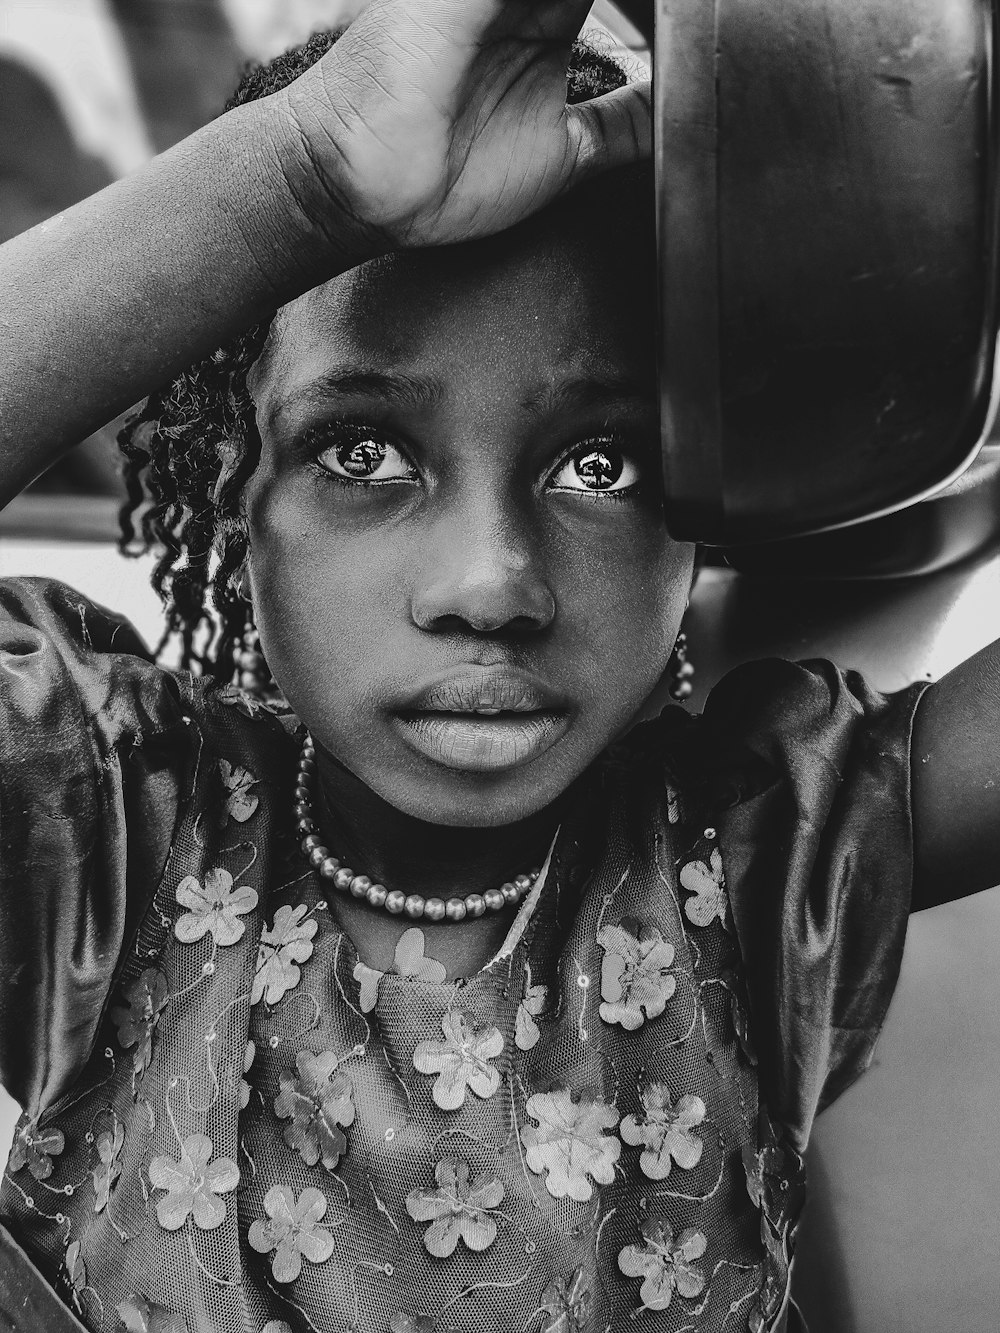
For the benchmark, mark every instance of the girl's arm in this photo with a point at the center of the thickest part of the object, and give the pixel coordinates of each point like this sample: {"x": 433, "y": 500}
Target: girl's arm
{"x": 956, "y": 782}
{"x": 430, "y": 121}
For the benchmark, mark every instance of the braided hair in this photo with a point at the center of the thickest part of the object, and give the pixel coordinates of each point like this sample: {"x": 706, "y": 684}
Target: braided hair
{"x": 191, "y": 448}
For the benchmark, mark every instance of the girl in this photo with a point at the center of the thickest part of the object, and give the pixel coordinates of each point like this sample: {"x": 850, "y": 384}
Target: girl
{"x": 444, "y": 998}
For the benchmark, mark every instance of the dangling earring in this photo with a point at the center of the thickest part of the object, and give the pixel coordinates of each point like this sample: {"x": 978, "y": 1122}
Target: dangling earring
{"x": 680, "y": 669}
{"x": 252, "y": 674}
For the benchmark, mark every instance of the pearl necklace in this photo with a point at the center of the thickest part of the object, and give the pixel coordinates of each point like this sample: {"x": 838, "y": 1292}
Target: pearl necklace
{"x": 414, "y": 905}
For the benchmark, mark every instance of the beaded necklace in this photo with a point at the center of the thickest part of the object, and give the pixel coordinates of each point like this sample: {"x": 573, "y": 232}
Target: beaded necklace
{"x": 413, "y": 905}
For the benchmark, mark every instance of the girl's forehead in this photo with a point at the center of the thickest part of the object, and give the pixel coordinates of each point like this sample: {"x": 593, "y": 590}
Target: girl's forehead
{"x": 550, "y": 303}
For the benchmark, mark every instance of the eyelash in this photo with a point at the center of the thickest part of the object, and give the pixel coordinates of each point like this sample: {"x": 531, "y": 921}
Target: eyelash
{"x": 318, "y": 441}
{"x": 594, "y": 442}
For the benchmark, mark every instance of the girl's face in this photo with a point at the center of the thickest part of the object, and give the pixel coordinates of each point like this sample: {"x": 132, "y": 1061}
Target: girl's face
{"x": 456, "y": 512}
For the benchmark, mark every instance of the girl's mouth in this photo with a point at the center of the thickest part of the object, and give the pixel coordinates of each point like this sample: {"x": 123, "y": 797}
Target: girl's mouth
{"x": 482, "y": 719}
{"x": 484, "y": 741}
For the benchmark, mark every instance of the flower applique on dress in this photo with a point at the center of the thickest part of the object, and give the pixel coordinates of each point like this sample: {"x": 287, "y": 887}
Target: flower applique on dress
{"x": 636, "y": 981}
{"x": 286, "y": 943}
{"x": 240, "y": 801}
{"x": 708, "y": 884}
{"x": 526, "y": 1031}
{"x": 739, "y": 1014}
{"x": 666, "y": 1132}
{"x": 368, "y": 979}
{"x": 571, "y": 1144}
{"x": 76, "y": 1273}
{"x": 318, "y": 1100}
{"x": 214, "y": 907}
{"x": 292, "y": 1231}
{"x": 139, "y": 1315}
{"x": 404, "y": 1322}
{"x": 775, "y": 1183}
{"x": 565, "y": 1304}
{"x": 409, "y": 960}
{"x": 249, "y": 704}
{"x": 136, "y": 1021}
{"x": 245, "y": 1090}
{"x": 460, "y": 1209}
{"x": 35, "y": 1148}
{"x": 461, "y": 1061}
{"x": 193, "y": 1185}
{"x": 665, "y": 1265}
{"x": 108, "y": 1168}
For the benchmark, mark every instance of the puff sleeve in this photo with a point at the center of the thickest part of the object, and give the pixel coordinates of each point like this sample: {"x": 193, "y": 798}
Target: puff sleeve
{"x": 91, "y": 744}
{"x": 808, "y": 771}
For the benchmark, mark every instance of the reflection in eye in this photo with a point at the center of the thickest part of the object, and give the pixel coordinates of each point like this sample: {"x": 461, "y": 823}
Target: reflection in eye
{"x": 362, "y": 455}
{"x": 597, "y": 467}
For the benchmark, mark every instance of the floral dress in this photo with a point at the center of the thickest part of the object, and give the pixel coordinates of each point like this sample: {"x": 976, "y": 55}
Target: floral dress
{"x": 234, "y": 1125}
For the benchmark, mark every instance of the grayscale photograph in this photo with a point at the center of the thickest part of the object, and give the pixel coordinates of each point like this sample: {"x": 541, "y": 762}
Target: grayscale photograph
{"x": 499, "y": 666}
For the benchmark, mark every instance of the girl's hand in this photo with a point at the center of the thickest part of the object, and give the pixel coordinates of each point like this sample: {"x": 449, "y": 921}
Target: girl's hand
{"x": 435, "y": 121}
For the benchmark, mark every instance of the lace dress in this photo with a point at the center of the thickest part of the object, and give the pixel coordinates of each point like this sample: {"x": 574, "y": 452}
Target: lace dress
{"x": 233, "y": 1125}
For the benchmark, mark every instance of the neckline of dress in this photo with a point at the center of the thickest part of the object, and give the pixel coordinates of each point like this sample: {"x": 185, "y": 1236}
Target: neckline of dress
{"x": 518, "y": 928}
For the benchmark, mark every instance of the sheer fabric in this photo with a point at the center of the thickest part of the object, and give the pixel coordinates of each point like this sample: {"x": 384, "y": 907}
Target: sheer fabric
{"x": 232, "y": 1124}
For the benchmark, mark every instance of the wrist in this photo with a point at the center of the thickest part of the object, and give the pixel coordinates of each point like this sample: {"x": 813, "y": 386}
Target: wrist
{"x": 298, "y": 232}
{"x": 308, "y": 201}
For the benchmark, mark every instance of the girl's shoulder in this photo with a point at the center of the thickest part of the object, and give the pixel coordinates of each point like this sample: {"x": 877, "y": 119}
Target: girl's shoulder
{"x": 799, "y": 775}
{"x": 65, "y": 660}
{"x": 104, "y": 758}
{"x": 774, "y": 721}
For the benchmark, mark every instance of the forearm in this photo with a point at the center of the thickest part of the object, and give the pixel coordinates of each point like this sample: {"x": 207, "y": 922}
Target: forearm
{"x": 108, "y": 300}
{"x": 956, "y": 783}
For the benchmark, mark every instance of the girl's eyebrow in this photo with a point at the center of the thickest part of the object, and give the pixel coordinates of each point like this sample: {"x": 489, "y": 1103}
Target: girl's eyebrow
{"x": 585, "y": 391}
{"x": 407, "y": 390}
{"x": 422, "y": 391}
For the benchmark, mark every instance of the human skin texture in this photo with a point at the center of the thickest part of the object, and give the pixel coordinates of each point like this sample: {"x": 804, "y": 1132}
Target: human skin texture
{"x": 486, "y": 373}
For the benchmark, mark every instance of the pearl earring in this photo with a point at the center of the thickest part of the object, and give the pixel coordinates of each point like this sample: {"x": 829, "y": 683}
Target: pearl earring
{"x": 680, "y": 670}
{"x": 251, "y": 674}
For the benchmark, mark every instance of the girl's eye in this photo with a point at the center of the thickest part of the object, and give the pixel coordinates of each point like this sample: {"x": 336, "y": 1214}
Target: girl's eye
{"x": 599, "y": 466}
{"x": 363, "y": 455}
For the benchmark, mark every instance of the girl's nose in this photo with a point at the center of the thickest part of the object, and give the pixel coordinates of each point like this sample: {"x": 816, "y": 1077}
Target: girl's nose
{"x": 482, "y": 578}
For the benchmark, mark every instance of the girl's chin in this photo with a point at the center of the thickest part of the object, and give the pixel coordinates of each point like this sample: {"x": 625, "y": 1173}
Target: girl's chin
{"x": 459, "y": 799}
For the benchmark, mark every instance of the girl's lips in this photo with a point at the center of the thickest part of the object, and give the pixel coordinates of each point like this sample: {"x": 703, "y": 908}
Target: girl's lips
{"x": 473, "y": 689}
{"x": 477, "y": 743}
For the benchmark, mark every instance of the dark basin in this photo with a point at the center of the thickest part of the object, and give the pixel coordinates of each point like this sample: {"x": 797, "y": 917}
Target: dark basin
{"x": 827, "y": 190}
